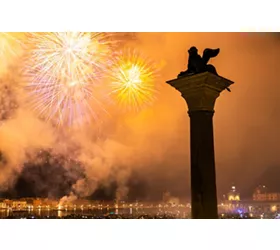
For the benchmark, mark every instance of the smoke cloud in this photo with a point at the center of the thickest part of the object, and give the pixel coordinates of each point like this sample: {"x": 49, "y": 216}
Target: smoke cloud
{"x": 152, "y": 145}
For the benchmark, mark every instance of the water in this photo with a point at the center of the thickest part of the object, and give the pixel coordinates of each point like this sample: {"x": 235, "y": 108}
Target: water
{"x": 38, "y": 213}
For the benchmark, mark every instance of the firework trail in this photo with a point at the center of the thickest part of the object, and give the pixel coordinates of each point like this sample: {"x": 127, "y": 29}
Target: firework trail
{"x": 63, "y": 70}
{"x": 132, "y": 80}
{"x": 11, "y": 47}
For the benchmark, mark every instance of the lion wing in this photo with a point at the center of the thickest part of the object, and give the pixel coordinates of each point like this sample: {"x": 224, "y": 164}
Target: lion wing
{"x": 209, "y": 53}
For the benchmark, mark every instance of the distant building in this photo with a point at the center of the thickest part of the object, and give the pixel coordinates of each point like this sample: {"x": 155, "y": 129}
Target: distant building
{"x": 166, "y": 197}
{"x": 19, "y": 205}
{"x": 44, "y": 203}
{"x": 261, "y": 193}
{"x": 231, "y": 202}
{"x": 233, "y": 195}
{"x": 29, "y": 201}
{"x": 8, "y": 203}
{"x": 170, "y": 200}
{"x": 50, "y": 202}
{"x": 37, "y": 202}
{"x": 174, "y": 201}
{"x": 3, "y": 205}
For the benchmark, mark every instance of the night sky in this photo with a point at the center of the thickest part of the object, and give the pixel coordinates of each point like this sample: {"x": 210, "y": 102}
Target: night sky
{"x": 141, "y": 155}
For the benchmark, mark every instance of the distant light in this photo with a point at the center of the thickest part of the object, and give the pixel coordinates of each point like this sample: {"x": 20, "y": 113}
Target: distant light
{"x": 274, "y": 208}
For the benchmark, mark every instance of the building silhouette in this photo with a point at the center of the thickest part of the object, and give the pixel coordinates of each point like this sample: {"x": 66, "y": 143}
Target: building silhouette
{"x": 262, "y": 193}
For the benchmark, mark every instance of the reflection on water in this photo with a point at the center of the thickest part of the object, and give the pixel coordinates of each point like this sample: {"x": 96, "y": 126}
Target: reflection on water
{"x": 62, "y": 213}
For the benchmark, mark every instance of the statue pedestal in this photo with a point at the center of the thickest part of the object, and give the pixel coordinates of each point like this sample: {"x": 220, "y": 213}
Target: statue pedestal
{"x": 200, "y": 92}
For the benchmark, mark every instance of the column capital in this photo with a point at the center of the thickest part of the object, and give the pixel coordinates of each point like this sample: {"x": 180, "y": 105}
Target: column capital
{"x": 200, "y": 90}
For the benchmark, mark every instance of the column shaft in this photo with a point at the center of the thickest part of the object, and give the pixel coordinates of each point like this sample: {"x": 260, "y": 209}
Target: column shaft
{"x": 203, "y": 176}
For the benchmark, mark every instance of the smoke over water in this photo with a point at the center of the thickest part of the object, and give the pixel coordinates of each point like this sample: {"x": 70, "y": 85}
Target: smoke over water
{"x": 151, "y": 146}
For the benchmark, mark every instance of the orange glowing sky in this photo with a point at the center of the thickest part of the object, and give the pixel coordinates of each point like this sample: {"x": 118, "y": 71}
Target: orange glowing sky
{"x": 155, "y": 141}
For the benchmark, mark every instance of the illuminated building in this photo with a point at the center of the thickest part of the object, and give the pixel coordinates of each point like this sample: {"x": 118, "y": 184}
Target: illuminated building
{"x": 170, "y": 200}
{"x": 233, "y": 195}
{"x": 37, "y": 202}
{"x": 19, "y": 205}
{"x": 261, "y": 194}
{"x": 8, "y": 203}
{"x": 50, "y": 203}
{"x": 29, "y": 201}
{"x": 3, "y": 205}
{"x": 232, "y": 202}
{"x": 166, "y": 197}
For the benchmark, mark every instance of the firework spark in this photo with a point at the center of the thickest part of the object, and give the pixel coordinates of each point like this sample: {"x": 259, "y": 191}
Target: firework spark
{"x": 70, "y": 54}
{"x": 63, "y": 70}
{"x": 133, "y": 81}
{"x": 11, "y": 46}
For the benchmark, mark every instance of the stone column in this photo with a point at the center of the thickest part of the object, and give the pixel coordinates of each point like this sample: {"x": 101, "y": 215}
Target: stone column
{"x": 200, "y": 92}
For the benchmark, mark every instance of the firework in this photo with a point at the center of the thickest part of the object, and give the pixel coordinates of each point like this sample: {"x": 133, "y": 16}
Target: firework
{"x": 62, "y": 70}
{"x": 11, "y": 46}
{"x": 132, "y": 80}
{"x": 70, "y": 54}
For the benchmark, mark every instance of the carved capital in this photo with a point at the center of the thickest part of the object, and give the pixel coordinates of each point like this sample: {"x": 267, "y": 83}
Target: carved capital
{"x": 200, "y": 90}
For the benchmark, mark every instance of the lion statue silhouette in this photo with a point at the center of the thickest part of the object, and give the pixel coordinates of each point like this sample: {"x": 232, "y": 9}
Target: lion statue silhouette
{"x": 198, "y": 64}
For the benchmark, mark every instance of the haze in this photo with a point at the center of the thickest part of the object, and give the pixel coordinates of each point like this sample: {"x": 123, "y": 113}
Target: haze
{"x": 147, "y": 153}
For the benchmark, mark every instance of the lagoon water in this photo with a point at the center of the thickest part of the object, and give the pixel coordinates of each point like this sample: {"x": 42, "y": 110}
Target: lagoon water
{"x": 37, "y": 213}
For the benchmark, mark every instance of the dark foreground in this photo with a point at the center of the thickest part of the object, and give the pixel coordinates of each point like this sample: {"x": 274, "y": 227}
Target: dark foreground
{"x": 122, "y": 214}
{"x": 75, "y": 216}
{"x": 117, "y": 216}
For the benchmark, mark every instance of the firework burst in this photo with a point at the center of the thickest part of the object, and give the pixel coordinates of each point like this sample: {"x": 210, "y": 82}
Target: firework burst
{"x": 70, "y": 54}
{"x": 132, "y": 80}
{"x": 63, "y": 69}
